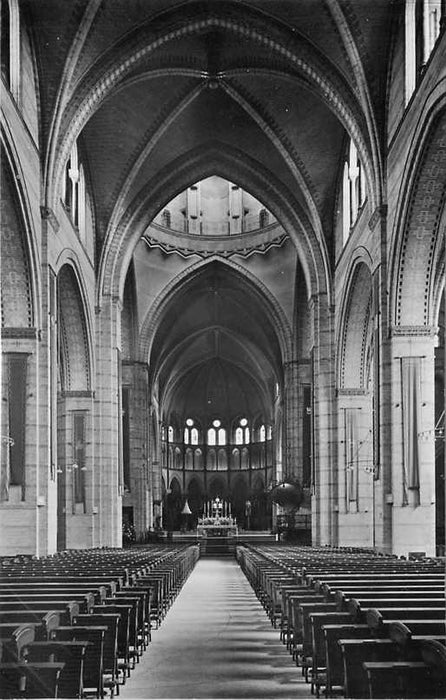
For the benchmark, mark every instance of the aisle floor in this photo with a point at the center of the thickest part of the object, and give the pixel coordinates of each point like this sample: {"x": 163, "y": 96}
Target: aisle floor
{"x": 216, "y": 642}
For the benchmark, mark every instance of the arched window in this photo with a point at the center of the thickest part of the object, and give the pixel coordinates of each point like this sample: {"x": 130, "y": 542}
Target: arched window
{"x": 263, "y": 218}
{"x": 189, "y": 460}
{"x": 212, "y": 436}
{"x": 81, "y": 209}
{"x": 74, "y": 192}
{"x": 262, "y": 433}
{"x": 6, "y": 42}
{"x": 170, "y": 434}
{"x": 212, "y": 460}
{"x": 235, "y": 459}
{"x": 353, "y": 190}
{"x": 269, "y": 432}
{"x": 242, "y": 432}
{"x": 222, "y": 459}
{"x": 190, "y": 433}
{"x": 178, "y": 460}
{"x": 198, "y": 462}
{"x": 422, "y": 29}
{"x": 244, "y": 462}
{"x": 163, "y": 432}
{"x": 10, "y": 45}
{"x": 216, "y": 434}
{"x": 166, "y": 218}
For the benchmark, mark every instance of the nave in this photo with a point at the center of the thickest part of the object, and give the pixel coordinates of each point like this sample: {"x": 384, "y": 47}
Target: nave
{"x": 216, "y": 642}
{"x": 282, "y": 621}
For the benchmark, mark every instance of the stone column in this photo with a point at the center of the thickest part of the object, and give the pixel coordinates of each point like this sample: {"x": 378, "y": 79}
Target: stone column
{"x": 292, "y": 463}
{"x": 25, "y": 508}
{"x": 383, "y": 414}
{"x": 134, "y": 376}
{"x": 324, "y": 515}
{"x": 107, "y": 473}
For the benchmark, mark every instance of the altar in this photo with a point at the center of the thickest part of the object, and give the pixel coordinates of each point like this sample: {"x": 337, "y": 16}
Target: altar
{"x": 217, "y": 520}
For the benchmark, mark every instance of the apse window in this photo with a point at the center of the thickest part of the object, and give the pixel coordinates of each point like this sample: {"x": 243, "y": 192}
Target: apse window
{"x": 242, "y": 433}
{"x": 216, "y": 434}
{"x": 190, "y": 433}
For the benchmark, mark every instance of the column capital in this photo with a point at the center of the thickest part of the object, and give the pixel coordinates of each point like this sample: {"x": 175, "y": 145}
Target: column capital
{"x": 414, "y": 331}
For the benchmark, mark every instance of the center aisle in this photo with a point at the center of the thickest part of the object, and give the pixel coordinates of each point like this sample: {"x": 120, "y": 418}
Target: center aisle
{"x": 216, "y": 642}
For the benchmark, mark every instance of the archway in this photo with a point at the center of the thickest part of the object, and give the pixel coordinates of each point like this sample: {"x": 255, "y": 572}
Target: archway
{"x": 172, "y": 506}
{"x": 217, "y": 487}
{"x": 261, "y": 518}
{"x": 356, "y": 395}
{"x": 195, "y": 500}
{"x": 239, "y": 491}
{"x": 74, "y": 411}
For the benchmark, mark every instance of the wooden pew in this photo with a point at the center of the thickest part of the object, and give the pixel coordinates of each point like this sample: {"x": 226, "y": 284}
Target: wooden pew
{"x": 86, "y": 600}
{"x": 29, "y": 680}
{"x": 15, "y": 640}
{"x": 94, "y": 659}
{"x": 32, "y": 611}
{"x": 355, "y": 652}
{"x": 303, "y": 630}
{"x": 45, "y": 619}
{"x": 110, "y": 620}
{"x": 293, "y": 631}
{"x": 72, "y": 655}
{"x": 399, "y": 679}
{"x": 319, "y": 657}
{"x": 146, "y": 596}
{"x": 99, "y": 591}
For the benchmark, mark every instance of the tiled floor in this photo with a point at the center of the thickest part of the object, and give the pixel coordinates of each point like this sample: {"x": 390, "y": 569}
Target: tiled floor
{"x": 216, "y": 642}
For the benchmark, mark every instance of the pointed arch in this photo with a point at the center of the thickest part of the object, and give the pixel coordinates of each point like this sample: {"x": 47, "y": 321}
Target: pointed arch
{"x": 416, "y": 252}
{"x": 19, "y": 257}
{"x": 305, "y": 64}
{"x": 213, "y": 159}
{"x": 355, "y": 327}
{"x": 275, "y": 312}
{"x": 75, "y": 355}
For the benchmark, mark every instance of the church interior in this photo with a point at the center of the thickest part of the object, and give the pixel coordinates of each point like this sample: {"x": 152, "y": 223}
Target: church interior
{"x": 222, "y": 343}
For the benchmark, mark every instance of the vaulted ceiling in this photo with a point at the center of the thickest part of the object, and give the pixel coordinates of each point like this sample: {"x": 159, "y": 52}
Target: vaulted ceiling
{"x": 147, "y": 83}
{"x": 163, "y": 93}
{"x": 216, "y": 350}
